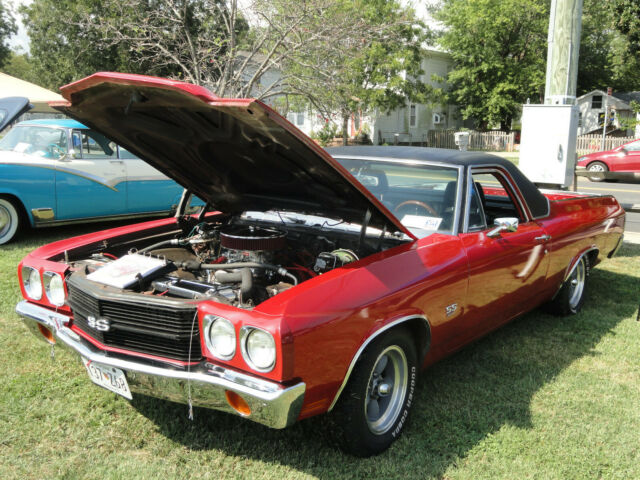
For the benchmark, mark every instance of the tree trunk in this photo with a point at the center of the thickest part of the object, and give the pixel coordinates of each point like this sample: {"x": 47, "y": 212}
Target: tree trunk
{"x": 345, "y": 129}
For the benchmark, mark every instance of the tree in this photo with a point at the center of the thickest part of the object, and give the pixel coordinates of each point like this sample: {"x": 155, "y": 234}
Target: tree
{"x": 62, "y": 50}
{"x": 232, "y": 50}
{"x": 374, "y": 63}
{"x": 498, "y": 50}
{"x": 7, "y": 28}
{"x": 19, "y": 65}
{"x": 607, "y": 57}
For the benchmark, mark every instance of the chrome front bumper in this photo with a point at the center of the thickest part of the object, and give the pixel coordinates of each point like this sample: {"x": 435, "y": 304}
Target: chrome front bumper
{"x": 271, "y": 403}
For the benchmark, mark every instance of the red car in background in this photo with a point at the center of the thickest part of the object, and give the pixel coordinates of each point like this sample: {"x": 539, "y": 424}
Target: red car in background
{"x": 625, "y": 158}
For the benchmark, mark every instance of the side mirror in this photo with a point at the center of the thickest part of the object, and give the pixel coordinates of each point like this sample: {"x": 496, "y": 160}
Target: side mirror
{"x": 506, "y": 224}
{"x": 623, "y": 151}
{"x": 70, "y": 155}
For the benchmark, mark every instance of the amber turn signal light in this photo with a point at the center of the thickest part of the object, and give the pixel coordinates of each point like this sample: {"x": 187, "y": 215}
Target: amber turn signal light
{"x": 46, "y": 333}
{"x": 237, "y": 403}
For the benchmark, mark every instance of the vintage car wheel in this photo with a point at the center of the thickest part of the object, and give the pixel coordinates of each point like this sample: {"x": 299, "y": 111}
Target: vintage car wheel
{"x": 9, "y": 220}
{"x": 573, "y": 292}
{"x": 597, "y": 167}
{"x": 374, "y": 406}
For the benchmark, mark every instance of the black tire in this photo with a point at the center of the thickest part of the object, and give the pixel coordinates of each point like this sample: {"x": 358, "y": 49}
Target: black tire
{"x": 597, "y": 167}
{"x": 573, "y": 292}
{"x": 10, "y": 219}
{"x": 374, "y": 406}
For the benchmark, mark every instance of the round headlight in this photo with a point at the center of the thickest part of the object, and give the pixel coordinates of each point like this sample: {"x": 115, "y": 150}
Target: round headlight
{"x": 220, "y": 337}
{"x": 32, "y": 283}
{"x": 54, "y": 288}
{"x": 259, "y": 349}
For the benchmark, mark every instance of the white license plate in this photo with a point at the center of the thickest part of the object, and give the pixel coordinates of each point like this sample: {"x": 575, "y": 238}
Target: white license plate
{"x": 108, "y": 377}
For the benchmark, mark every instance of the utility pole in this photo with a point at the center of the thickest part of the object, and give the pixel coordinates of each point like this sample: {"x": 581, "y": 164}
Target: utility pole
{"x": 549, "y": 131}
{"x": 565, "y": 24}
{"x": 606, "y": 117}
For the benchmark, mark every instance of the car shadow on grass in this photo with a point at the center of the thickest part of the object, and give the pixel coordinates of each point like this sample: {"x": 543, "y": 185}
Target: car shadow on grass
{"x": 461, "y": 400}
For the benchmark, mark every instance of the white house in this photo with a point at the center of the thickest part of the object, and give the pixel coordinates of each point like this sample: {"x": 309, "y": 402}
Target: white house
{"x": 407, "y": 124}
{"x": 412, "y": 122}
{"x": 592, "y": 111}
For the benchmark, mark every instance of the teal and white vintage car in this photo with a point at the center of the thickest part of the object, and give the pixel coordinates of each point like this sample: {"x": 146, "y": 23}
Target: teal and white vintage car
{"x": 55, "y": 171}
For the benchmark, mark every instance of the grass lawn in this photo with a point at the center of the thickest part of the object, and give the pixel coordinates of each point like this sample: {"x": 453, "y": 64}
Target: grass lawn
{"x": 544, "y": 397}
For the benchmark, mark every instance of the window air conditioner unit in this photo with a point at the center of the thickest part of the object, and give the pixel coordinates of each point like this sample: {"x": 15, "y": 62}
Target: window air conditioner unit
{"x": 438, "y": 118}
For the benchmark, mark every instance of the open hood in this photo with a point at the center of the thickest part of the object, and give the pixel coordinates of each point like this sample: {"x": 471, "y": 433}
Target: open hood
{"x": 236, "y": 154}
{"x": 11, "y": 108}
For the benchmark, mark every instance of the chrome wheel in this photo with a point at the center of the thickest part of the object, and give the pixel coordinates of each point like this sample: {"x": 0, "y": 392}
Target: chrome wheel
{"x": 576, "y": 283}
{"x": 386, "y": 390}
{"x": 5, "y": 220}
{"x": 597, "y": 167}
{"x": 9, "y": 220}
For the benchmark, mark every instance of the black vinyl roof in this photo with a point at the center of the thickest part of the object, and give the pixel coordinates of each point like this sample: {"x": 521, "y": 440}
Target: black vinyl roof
{"x": 538, "y": 204}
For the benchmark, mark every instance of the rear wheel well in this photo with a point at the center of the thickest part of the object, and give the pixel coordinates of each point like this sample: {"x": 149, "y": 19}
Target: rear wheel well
{"x": 18, "y": 203}
{"x": 592, "y": 257}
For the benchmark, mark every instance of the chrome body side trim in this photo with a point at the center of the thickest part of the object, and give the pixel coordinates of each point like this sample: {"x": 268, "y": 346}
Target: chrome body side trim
{"x": 272, "y": 404}
{"x": 42, "y": 214}
{"x": 107, "y": 218}
{"x": 364, "y": 345}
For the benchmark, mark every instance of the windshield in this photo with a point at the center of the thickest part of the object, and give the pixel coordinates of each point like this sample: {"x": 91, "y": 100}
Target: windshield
{"x": 423, "y": 197}
{"x": 41, "y": 141}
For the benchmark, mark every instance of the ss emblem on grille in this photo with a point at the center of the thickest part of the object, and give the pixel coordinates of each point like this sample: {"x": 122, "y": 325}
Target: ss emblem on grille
{"x": 101, "y": 324}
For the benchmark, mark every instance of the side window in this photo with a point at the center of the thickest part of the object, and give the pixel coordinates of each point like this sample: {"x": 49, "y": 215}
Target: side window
{"x": 93, "y": 145}
{"x": 633, "y": 147}
{"x": 477, "y": 220}
{"x": 495, "y": 199}
{"x": 125, "y": 154}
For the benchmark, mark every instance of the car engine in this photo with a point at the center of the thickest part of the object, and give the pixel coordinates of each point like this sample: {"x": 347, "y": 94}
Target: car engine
{"x": 234, "y": 261}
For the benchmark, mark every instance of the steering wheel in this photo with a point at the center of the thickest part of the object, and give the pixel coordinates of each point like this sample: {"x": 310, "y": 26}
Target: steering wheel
{"x": 417, "y": 203}
{"x": 55, "y": 150}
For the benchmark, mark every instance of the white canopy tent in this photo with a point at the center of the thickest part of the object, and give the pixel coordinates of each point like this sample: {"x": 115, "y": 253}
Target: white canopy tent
{"x": 38, "y": 96}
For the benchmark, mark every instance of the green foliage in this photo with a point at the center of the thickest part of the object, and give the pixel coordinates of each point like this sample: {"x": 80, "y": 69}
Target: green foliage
{"x": 62, "y": 50}
{"x": 498, "y": 49}
{"x": 7, "y": 28}
{"x": 20, "y": 65}
{"x": 377, "y": 66}
{"x": 608, "y": 48}
{"x": 327, "y": 133}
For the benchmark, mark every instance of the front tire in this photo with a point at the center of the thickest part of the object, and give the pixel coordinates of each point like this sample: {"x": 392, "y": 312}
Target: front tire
{"x": 10, "y": 220}
{"x": 597, "y": 167}
{"x": 573, "y": 292}
{"x": 374, "y": 406}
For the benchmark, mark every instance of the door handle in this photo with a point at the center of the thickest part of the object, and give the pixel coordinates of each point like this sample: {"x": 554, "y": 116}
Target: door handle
{"x": 116, "y": 161}
{"x": 543, "y": 238}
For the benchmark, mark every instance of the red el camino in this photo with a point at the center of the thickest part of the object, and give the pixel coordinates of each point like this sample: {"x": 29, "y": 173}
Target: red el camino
{"x": 312, "y": 281}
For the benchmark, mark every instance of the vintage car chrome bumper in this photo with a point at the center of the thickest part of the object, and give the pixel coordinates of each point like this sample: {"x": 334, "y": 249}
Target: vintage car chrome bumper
{"x": 271, "y": 404}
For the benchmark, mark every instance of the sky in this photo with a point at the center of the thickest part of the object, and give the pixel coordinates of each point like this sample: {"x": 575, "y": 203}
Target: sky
{"x": 20, "y": 39}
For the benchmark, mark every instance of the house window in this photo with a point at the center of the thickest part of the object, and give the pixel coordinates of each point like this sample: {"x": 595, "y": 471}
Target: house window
{"x": 300, "y": 118}
{"x": 580, "y": 119}
{"x": 596, "y": 102}
{"x": 412, "y": 116}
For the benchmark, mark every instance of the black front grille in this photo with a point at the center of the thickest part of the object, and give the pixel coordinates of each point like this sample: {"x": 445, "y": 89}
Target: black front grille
{"x": 163, "y": 330}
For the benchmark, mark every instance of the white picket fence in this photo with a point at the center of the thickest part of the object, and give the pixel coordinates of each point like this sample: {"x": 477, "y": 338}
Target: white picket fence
{"x": 593, "y": 143}
{"x": 494, "y": 141}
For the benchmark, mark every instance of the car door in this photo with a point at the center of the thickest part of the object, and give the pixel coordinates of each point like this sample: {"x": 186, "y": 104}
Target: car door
{"x": 630, "y": 158}
{"x": 148, "y": 190}
{"x": 90, "y": 179}
{"x": 507, "y": 271}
